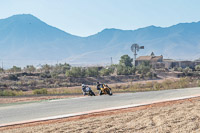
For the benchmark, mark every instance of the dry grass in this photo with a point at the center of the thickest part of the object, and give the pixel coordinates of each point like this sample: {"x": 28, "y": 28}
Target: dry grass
{"x": 155, "y": 85}
{"x": 120, "y": 88}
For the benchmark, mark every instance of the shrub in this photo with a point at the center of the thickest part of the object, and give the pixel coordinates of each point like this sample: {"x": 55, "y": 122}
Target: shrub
{"x": 15, "y": 69}
{"x": 75, "y": 72}
{"x": 54, "y": 74}
{"x": 29, "y": 68}
{"x": 175, "y": 69}
{"x": 40, "y": 91}
{"x": 7, "y": 93}
{"x": 1, "y": 69}
{"x": 198, "y": 83}
{"x": 10, "y": 93}
{"x": 125, "y": 70}
{"x": 197, "y": 67}
{"x": 92, "y": 71}
{"x": 183, "y": 83}
{"x": 13, "y": 77}
{"x": 149, "y": 84}
{"x": 46, "y": 68}
{"x": 126, "y": 60}
{"x": 60, "y": 69}
{"x": 106, "y": 71}
{"x": 135, "y": 87}
{"x": 180, "y": 69}
{"x": 143, "y": 68}
{"x": 45, "y": 75}
{"x": 149, "y": 74}
{"x": 167, "y": 84}
{"x": 157, "y": 86}
{"x": 187, "y": 71}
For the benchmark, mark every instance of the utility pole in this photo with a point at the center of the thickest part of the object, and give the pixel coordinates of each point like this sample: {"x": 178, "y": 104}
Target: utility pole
{"x": 111, "y": 62}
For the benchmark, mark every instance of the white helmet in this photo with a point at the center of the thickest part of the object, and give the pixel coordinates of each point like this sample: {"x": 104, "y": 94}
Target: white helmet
{"x": 83, "y": 85}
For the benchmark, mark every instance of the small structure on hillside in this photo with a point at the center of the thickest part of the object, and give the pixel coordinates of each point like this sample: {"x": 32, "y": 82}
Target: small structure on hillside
{"x": 183, "y": 64}
{"x": 197, "y": 62}
{"x": 158, "y": 62}
{"x": 152, "y": 59}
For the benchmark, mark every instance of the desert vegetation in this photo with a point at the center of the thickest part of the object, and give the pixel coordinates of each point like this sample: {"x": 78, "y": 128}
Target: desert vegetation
{"x": 116, "y": 88}
{"x": 31, "y": 80}
{"x": 16, "y": 80}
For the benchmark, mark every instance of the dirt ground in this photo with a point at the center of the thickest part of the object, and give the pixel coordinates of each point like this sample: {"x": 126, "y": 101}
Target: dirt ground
{"x": 182, "y": 116}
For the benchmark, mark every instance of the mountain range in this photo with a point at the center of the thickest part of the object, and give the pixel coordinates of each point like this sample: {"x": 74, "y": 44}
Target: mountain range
{"x": 25, "y": 39}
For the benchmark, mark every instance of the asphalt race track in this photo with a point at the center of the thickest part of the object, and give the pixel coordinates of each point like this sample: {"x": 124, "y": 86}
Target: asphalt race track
{"x": 50, "y": 108}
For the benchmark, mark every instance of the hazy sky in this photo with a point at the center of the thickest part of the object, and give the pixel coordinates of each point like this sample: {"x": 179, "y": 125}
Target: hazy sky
{"x": 86, "y": 17}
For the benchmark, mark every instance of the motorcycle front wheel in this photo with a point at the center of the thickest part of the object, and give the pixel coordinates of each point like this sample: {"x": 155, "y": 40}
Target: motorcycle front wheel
{"x": 109, "y": 92}
{"x": 92, "y": 93}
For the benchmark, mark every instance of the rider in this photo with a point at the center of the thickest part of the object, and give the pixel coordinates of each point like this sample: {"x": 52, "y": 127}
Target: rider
{"x": 84, "y": 89}
{"x": 99, "y": 86}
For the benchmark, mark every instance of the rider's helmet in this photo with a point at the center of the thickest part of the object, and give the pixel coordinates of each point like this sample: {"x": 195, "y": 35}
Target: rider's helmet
{"x": 83, "y": 85}
{"x": 97, "y": 83}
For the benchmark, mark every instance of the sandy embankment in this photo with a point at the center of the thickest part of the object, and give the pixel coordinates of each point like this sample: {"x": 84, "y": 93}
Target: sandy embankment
{"x": 178, "y": 116}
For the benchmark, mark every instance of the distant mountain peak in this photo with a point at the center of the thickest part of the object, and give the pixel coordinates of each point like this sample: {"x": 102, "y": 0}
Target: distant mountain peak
{"x": 23, "y": 15}
{"x": 24, "y": 36}
{"x": 23, "y": 18}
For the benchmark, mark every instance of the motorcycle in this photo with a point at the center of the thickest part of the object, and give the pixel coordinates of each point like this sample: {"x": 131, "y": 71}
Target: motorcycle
{"x": 88, "y": 91}
{"x": 105, "y": 90}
